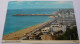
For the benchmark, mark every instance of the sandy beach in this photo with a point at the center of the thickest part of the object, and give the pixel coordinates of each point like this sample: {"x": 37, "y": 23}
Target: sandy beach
{"x": 18, "y": 34}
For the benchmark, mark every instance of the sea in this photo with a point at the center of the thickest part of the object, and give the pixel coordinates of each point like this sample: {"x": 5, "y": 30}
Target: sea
{"x": 16, "y": 23}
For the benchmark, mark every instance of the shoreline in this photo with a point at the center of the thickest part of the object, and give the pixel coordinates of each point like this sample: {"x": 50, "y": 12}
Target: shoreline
{"x": 18, "y": 34}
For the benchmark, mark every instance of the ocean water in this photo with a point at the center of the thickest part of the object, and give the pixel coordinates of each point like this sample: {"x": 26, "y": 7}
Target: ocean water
{"x": 16, "y": 23}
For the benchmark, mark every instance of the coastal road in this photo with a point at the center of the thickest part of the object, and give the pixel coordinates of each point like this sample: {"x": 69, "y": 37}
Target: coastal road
{"x": 51, "y": 21}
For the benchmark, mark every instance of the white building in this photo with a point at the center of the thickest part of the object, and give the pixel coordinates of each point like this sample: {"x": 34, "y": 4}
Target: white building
{"x": 57, "y": 27}
{"x": 46, "y": 29}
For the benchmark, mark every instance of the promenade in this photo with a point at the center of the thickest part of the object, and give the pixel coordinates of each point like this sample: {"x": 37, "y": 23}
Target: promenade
{"x": 20, "y": 34}
{"x": 42, "y": 26}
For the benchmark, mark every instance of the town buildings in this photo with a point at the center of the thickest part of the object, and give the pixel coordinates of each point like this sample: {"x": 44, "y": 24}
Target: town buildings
{"x": 64, "y": 20}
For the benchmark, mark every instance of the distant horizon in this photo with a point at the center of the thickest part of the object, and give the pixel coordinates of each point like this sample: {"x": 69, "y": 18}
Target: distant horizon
{"x": 41, "y": 8}
{"x": 40, "y": 4}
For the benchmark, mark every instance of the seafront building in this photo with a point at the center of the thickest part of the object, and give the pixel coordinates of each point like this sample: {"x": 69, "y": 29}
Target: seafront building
{"x": 65, "y": 20}
{"x": 45, "y": 30}
{"x": 46, "y": 37}
{"x": 32, "y": 37}
{"x": 66, "y": 16}
{"x": 57, "y": 27}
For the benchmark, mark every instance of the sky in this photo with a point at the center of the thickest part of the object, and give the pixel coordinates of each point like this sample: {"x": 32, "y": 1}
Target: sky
{"x": 39, "y": 4}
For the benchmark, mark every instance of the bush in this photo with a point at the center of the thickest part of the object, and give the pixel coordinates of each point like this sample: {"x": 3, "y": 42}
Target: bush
{"x": 70, "y": 34}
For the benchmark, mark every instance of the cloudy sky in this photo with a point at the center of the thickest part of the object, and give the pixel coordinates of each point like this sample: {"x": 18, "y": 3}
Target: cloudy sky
{"x": 39, "y": 4}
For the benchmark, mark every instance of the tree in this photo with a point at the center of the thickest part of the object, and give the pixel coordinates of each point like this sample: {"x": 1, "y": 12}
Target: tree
{"x": 70, "y": 34}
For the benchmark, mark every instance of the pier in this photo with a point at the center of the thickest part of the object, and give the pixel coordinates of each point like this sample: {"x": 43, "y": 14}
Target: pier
{"x": 34, "y": 15}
